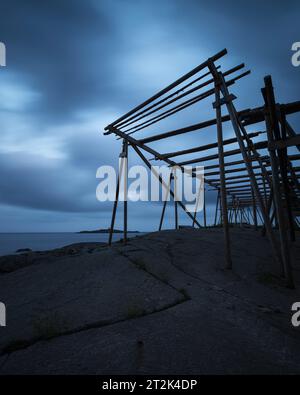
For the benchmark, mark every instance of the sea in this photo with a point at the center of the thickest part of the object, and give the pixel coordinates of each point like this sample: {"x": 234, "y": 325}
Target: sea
{"x": 11, "y": 242}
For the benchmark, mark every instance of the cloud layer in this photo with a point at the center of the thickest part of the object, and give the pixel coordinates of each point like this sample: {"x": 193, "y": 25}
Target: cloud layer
{"x": 74, "y": 66}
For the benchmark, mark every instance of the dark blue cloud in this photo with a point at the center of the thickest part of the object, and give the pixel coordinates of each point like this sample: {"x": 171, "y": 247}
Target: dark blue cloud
{"x": 74, "y": 66}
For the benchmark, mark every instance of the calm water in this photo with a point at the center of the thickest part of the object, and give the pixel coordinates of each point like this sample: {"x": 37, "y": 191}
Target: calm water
{"x": 10, "y": 242}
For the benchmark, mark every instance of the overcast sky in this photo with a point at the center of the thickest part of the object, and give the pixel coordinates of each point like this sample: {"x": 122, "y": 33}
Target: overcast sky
{"x": 74, "y": 66}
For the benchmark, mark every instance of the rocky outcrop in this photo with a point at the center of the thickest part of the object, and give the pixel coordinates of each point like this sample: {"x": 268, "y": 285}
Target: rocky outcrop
{"x": 160, "y": 304}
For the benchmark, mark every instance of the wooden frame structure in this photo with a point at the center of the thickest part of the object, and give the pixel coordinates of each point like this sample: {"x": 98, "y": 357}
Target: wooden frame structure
{"x": 266, "y": 190}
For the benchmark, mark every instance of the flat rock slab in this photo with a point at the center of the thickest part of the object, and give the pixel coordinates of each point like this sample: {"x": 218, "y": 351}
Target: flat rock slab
{"x": 11, "y": 263}
{"x": 162, "y": 304}
{"x": 77, "y": 293}
{"x": 186, "y": 339}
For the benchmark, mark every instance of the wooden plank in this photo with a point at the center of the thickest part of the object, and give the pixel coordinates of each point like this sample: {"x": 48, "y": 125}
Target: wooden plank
{"x": 206, "y": 147}
{"x": 169, "y": 87}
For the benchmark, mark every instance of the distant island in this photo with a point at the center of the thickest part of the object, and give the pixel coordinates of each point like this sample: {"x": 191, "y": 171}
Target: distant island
{"x": 107, "y": 231}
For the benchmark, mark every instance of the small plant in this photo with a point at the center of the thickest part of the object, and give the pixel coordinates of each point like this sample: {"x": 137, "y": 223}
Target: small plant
{"x": 45, "y": 327}
{"x": 185, "y": 293}
{"x": 135, "y": 311}
{"x": 140, "y": 264}
{"x": 15, "y": 345}
{"x": 164, "y": 279}
{"x": 48, "y": 326}
{"x": 266, "y": 278}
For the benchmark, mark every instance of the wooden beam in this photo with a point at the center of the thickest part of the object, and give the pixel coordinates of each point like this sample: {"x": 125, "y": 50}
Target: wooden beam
{"x": 169, "y": 87}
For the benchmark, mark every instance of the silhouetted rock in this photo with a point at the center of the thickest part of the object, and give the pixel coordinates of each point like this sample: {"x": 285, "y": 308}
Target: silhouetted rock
{"x": 24, "y": 250}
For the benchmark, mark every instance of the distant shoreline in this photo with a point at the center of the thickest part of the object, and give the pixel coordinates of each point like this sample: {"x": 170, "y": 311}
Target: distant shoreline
{"x": 11, "y": 242}
{"x": 106, "y": 231}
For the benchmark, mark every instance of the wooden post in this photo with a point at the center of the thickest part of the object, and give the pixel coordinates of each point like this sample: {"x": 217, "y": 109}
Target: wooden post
{"x": 161, "y": 181}
{"x": 269, "y": 207}
{"x": 165, "y": 205}
{"x": 112, "y": 225}
{"x": 243, "y": 218}
{"x": 204, "y": 208}
{"x": 175, "y": 201}
{"x": 197, "y": 204}
{"x": 265, "y": 191}
{"x": 125, "y": 157}
{"x": 250, "y": 216}
{"x": 254, "y": 209}
{"x": 222, "y": 175}
{"x": 176, "y": 214}
{"x": 241, "y": 215}
{"x": 235, "y": 212}
{"x": 230, "y": 215}
{"x": 272, "y": 126}
{"x": 284, "y": 176}
{"x": 259, "y": 215}
{"x": 235, "y": 123}
{"x": 217, "y": 208}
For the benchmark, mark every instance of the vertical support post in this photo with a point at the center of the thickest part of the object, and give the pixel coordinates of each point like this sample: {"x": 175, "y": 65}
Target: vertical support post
{"x": 235, "y": 123}
{"x": 260, "y": 218}
{"x": 230, "y": 215}
{"x": 197, "y": 204}
{"x": 269, "y": 207}
{"x": 113, "y": 217}
{"x": 248, "y": 215}
{"x": 125, "y": 157}
{"x": 241, "y": 215}
{"x": 204, "y": 208}
{"x": 220, "y": 213}
{"x": 175, "y": 201}
{"x": 273, "y": 127}
{"x": 147, "y": 163}
{"x": 265, "y": 190}
{"x": 217, "y": 208}
{"x": 165, "y": 204}
{"x": 254, "y": 209}
{"x": 222, "y": 175}
{"x": 245, "y": 215}
{"x": 273, "y": 217}
{"x": 162, "y": 216}
{"x": 235, "y": 212}
{"x": 284, "y": 176}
